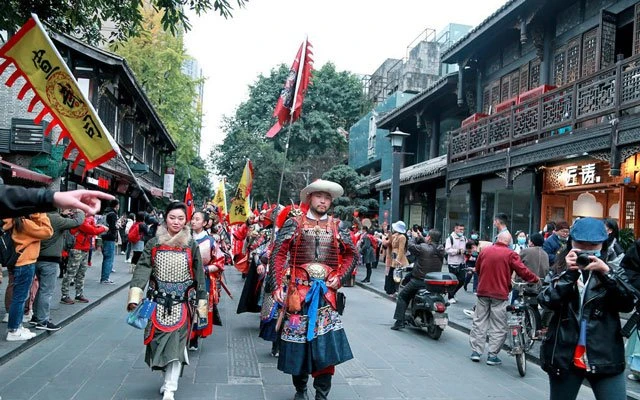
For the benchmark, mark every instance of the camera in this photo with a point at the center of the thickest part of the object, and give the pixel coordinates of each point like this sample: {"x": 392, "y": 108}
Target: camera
{"x": 583, "y": 260}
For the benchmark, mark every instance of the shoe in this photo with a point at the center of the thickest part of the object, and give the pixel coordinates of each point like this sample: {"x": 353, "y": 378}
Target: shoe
{"x": 113, "y": 270}
{"x": 108, "y": 282}
{"x": 168, "y": 395}
{"x": 67, "y": 300}
{"x": 493, "y": 360}
{"x": 28, "y": 316}
{"x": 128, "y": 260}
{"x": 365, "y": 281}
{"x": 48, "y": 326}
{"x": 122, "y": 253}
{"x": 633, "y": 377}
{"x": 397, "y": 326}
{"x": 5, "y": 319}
{"x": 452, "y": 301}
{"x": 33, "y": 322}
{"x": 20, "y": 335}
{"x": 475, "y": 356}
{"x": 81, "y": 299}
{"x": 275, "y": 354}
{"x": 301, "y": 396}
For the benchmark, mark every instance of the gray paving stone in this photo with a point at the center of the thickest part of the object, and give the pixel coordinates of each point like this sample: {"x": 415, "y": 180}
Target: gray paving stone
{"x": 235, "y": 392}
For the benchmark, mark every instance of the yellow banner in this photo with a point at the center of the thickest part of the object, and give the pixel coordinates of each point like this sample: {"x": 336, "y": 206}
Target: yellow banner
{"x": 240, "y": 209}
{"x": 37, "y": 60}
{"x": 220, "y": 199}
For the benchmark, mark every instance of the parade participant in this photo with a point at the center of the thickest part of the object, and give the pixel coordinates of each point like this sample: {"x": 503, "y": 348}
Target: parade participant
{"x": 213, "y": 266}
{"x": 311, "y": 257}
{"x": 495, "y": 266}
{"x": 240, "y": 253}
{"x": 584, "y": 339}
{"x": 172, "y": 267}
{"x": 256, "y": 242}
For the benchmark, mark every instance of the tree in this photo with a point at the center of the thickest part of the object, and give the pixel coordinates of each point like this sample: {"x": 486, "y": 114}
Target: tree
{"x": 157, "y": 53}
{"x": 353, "y": 184}
{"x": 333, "y": 103}
{"x": 86, "y": 18}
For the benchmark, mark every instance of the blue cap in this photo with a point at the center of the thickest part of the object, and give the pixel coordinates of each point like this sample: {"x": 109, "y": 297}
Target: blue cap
{"x": 589, "y": 230}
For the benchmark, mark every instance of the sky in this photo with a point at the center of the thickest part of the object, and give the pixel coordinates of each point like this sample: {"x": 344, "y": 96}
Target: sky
{"x": 355, "y": 35}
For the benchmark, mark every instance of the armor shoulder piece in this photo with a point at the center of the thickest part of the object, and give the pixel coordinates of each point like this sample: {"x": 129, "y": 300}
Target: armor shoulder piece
{"x": 288, "y": 229}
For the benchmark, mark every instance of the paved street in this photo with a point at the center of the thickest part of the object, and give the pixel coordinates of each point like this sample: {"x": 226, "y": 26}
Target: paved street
{"x": 99, "y": 357}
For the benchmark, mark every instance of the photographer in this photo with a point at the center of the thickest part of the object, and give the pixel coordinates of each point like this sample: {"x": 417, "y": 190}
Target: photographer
{"x": 586, "y": 300}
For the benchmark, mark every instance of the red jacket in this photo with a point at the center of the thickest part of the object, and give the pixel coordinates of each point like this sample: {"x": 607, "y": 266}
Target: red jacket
{"x": 494, "y": 266}
{"x": 85, "y": 232}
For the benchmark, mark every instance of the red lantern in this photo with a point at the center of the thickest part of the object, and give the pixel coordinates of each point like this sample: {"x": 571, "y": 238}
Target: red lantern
{"x": 356, "y": 213}
{"x": 386, "y": 213}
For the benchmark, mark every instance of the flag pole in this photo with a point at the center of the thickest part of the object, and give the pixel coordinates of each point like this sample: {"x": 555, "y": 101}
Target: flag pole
{"x": 301, "y": 62}
{"x": 135, "y": 179}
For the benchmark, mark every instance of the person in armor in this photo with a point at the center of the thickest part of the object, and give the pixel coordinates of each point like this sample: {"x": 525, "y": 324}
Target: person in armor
{"x": 213, "y": 267}
{"x": 311, "y": 258}
{"x": 269, "y": 308}
{"x": 257, "y": 240}
{"x": 171, "y": 265}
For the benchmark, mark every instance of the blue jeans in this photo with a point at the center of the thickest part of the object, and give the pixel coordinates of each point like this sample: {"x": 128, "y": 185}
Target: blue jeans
{"x": 605, "y": 387}
{"x": 22, "y": 279}
{"x": 47, "y": 272}
{"x": 108, "y": 254}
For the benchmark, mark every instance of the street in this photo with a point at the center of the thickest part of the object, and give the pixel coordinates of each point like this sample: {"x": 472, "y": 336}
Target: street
{"x": 98, "y": 356}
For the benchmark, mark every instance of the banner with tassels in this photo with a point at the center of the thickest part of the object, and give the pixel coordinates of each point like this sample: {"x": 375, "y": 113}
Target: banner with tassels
{"x": 38, "y": 62}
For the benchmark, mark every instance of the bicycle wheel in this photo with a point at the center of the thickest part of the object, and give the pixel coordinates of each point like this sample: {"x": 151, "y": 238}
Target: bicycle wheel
{"x": 531, "y": 325}
{"x": 521, "y": 358}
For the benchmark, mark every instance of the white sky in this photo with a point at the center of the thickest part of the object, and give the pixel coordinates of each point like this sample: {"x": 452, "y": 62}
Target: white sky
{"x": 356, "y": 35}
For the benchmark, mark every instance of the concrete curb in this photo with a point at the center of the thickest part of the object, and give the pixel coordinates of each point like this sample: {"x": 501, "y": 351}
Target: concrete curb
{"x": 631, "y": 395}
{"x": 66, "y": 321}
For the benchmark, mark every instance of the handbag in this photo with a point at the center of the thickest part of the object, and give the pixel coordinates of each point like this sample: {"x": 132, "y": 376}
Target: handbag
{"x": 139, "y": 317}
{"x": 341, "y": 302}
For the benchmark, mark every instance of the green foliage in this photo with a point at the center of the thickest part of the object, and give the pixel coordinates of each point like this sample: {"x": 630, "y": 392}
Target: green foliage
{"x": 157, "y": 54}
{"x": 85, "y": 18}
{"x": 347, "y": 177}
{"x": 332, "y": 103}
{"x": 627, "y": 238}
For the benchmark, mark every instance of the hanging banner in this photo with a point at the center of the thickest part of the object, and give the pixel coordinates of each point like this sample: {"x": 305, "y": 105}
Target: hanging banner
{"x": 37, "y": 60}
{"x": 240, "y": 206}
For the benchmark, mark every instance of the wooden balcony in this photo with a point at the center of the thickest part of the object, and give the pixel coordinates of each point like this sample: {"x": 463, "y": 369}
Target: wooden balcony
{"x": 592, "y": 100}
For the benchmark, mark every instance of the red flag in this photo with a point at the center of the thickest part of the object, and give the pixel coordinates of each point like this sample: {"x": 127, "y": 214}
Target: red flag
{"x": 188, "y": 200}
{"x": 289, "y": 106}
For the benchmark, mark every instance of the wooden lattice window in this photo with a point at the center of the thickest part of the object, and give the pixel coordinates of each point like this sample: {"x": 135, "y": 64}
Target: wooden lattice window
{"x": 608, "y": 39}
{"x": 495, "y": 94}
{"x": 515, "y": 83}
{"x": 590, "y": 52}
{"x": 504, "y": 88}
{"x": 559, "y": 66}
{"x": 486, "y": 99}
{"x": 534, "y": 73}
{"x": 573, "y": 60}
{"x": 636, "y": 30}
{"x": 524, "y": 78}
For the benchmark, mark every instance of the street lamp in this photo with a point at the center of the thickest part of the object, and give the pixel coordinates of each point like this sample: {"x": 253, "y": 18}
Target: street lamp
{"x": 397, "y": 139}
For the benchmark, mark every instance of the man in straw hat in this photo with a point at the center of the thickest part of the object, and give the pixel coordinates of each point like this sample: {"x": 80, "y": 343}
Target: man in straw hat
{"x": 311, "y": 257}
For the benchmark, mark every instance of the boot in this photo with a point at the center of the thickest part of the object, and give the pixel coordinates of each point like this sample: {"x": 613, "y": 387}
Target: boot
{"x": 171, "y": 376}
{"x": 397, "y": 325}
{"x": 322, "y": 385}
{"x": 300, "y": 382}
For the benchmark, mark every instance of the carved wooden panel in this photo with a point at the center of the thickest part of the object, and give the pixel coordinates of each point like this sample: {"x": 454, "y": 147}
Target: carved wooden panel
{"x": 495, "y": 94}
{"x": 504, "y": 87}
{"x": 608, "y": 39}
{"x": 590, "y": 52}
{"x": 515, "y": 83}
{"x": 524, "y": 78}
{"x": 486, "y": 99}
{"x": 573, "y": 60}
{"x": 559, "y": 66}
{"x": 534, "y": 73}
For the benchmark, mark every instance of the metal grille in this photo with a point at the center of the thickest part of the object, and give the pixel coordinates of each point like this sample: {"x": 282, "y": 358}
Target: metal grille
{"x": 589, "y": 52}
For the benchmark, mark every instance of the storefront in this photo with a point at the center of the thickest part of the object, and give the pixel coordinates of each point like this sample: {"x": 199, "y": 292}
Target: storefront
{"x": 584, "y": 188}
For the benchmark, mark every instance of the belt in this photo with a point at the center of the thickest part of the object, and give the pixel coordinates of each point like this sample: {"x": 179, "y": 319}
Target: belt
{"x": 303, "y": 282}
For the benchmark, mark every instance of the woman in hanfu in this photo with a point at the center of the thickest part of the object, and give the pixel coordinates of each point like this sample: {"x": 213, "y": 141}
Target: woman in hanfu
{"x": 171, "y": 266}
{"x": 213, "y": 266}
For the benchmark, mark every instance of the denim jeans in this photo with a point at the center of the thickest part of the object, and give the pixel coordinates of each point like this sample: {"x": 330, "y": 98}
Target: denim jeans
{"x": 108, "y": 254}
{"x": 605, "y": 387}
{"x": 46, "y": 271}
{"x": 22, "y": 278}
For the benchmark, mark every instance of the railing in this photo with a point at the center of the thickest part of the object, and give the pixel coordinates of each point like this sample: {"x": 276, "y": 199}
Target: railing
{"x": 610, "y": 91}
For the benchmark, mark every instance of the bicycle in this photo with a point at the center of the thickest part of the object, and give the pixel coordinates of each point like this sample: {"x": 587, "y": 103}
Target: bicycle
{"x": 524, "y": 321}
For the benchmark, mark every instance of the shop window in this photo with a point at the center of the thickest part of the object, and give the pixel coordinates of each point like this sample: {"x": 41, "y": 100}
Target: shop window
{"x": 630, "y": 215}
{"x": 107, "y": 110}
{"x": 516, "y": 203}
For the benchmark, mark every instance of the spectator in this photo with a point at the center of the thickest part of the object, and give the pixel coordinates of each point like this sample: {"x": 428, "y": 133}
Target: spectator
{"x": 109, "y": 241}
{"x": 138, "y": 246}
{"x": 455, "y": 246}
{"x": 429, "y": 256}
{"x": 586, "y": 300}
{"x": 495, "y": 265}
{"x": 521, "y": 242}
{"x": 78, "y": 260}
{"x": 131, "y": 218}
{"x": 557, "y": 242}
{"x": 368, "y": 247}
{"x": 26, "y": 234}
{"x": 548, "y": 229}
{"x": 614, "y": 250}
{"x": 470, "y": 257}
{"x": 500, "y": 222}
{"x": 398, "y": 254}
{"x": 47, "y": 266}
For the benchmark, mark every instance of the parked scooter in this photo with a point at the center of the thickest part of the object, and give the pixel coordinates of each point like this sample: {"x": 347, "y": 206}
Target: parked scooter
{"x": 427, "y": 310}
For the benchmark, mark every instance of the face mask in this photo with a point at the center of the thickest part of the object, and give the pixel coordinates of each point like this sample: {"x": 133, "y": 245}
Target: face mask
{"x": 595, "y": 253}
{"x": 563, "y": 240}
{"x": 522, "y": 241}
{"x": 460, "y": 234}
{"x": 474, "y": 237}
{"x": 474, "y": 253}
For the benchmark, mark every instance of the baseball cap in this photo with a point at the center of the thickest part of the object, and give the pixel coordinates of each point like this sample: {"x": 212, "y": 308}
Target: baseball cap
{"x": 589, "y": 230}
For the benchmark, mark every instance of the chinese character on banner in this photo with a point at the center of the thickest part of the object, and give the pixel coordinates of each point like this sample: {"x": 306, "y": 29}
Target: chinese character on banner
{"x": 588, "y": 173}
{"x": 572, "y": 176}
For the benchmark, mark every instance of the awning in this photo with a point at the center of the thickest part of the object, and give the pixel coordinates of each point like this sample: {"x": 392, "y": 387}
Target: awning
{"x": 418, "y": 172}
{"x": 154, "y": 191}
{"x": 19, "y": 172}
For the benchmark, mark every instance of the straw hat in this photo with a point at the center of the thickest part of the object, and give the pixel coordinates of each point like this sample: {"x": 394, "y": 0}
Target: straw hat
{"x": 320, "y": 185}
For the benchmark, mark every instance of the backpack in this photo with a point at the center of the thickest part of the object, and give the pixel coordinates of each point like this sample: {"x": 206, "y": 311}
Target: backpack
{"x": 69, "y": 240}
{"x": 8, "y": 254}
{"x": 134, "y": 234}
{"x": 446, "y": 255}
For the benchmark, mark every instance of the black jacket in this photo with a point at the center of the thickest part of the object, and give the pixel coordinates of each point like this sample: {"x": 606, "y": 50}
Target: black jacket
{"x": 605, "y": 297}
{"x": 17, "y": 201}
{"x": 428, "y": 258}
{"x": 111, "y": 217}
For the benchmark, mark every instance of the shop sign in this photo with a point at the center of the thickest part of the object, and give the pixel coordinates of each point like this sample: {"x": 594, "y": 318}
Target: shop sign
{"x": 168, "y": 181}
{"x": 581, "y": 175}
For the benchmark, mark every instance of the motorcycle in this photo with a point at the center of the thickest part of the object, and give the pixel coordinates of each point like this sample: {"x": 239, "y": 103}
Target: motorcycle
{"x": 427, "y": 310}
